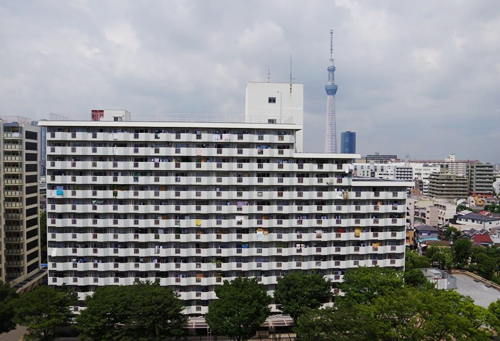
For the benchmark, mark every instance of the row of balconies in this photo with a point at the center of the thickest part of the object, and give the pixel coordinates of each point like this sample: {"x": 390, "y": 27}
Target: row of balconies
{"x": 10, "y": 204}
{"x": 10, "y": 158}
{"x": 13, "y": 181}
{"x": 239, "y": 223}
{"x": 168, "y": 137}
{"x": 193, "y": 166}
{"x": 202, "y": 195}
{"x": 224, "y": 238}
{"x": 11, "y": 146}
{"x": 224, "y": 252}
{"x": 206, "y": 180}
{"x": 12, "y": 135}
{"x": 211, "y": 267}
{"x": 225, "y": 209}
{"x": 224, "y": 195}
{"x": 211, "y": 281}
{"x": 169, "y": 151}
{"x": 12, "y": 170}
{"x": 13, "y": 193}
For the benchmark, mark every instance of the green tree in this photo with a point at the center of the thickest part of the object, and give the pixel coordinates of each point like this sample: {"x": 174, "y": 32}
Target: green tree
{"x": 441, "y": 255}
{"x": 416, "y": 278}
{"x": 143, "y": 311}
{"x": 44, "y": 309}
{"x": 300, "y": 290}
{"x": 403, "y": 314}
{"x": 461, "y": 252}
{"x": 452, "y": 233}
{"x": 8, "y": 298}
{"x": 106, "y": 314}
{"x": 241, "y": 307}
{"x": 155, "y": 313}
{"x": 362, "y": 285}
{"x": 414, "y": 261}
{"x": 43, "y": 237}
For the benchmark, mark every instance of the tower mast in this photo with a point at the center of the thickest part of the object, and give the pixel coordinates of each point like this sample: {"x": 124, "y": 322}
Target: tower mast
{"x": 331, "y": 119}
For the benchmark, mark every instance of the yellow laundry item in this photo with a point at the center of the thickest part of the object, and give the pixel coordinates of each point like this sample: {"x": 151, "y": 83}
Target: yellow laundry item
{"x": 357, "y": 232}
{"x": 198, "y": 222}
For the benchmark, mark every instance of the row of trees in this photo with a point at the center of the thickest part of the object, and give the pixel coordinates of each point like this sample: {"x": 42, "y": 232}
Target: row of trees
{"x": 464, "y": 255}
{"x": 376, "y": 304}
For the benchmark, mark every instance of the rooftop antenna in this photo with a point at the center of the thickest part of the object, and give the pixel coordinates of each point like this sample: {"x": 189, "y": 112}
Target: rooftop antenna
{"x": 331, "y": 44}
{"x": 268, "y": 75}
{"x": 291, "y": 79}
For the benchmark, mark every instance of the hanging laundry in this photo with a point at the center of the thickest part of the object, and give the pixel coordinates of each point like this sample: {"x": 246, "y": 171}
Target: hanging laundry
{"x": 198, "y": 222}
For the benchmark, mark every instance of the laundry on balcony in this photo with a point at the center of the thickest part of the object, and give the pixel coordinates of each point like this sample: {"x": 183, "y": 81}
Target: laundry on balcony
{"x": 198, "y": 222}
{"x": 59, "y": 190}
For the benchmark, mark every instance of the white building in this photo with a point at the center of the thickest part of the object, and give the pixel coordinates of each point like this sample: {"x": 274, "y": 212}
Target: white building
{"x": 398, "y": 171}
{"x": 193, "y": 204}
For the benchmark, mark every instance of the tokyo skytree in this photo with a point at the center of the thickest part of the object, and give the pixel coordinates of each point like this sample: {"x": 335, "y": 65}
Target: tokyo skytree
{"x": 331, "y": 119}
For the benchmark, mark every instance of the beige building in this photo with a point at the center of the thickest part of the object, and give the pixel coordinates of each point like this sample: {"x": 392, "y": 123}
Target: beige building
{"x": 19, "y": 213}
{"x": 448, "y": 186}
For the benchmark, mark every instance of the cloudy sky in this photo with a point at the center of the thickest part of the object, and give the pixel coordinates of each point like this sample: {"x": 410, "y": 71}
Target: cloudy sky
{"x": 415, "y": 77}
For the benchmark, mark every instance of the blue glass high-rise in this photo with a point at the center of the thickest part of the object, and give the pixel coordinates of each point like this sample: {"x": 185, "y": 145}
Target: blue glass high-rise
{"x": 348, "y": 142}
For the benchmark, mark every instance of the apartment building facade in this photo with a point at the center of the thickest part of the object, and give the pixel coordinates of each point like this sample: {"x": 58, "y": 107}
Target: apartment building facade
{"x": 448, "y": 186}
{"x": 193, "y": 204}
{"x": 19, "y": 212}
{"x": 481, "y": 178}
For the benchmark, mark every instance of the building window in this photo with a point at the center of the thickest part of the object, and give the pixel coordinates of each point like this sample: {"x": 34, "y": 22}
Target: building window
{"x": 271, "y": 100}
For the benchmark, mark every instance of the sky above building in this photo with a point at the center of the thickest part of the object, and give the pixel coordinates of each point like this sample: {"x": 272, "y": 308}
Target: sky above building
{"x": 415, "y": 77}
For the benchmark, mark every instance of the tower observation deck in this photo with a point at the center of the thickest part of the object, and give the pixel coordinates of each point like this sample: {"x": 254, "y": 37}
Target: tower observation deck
{"x": 331, "y": 119}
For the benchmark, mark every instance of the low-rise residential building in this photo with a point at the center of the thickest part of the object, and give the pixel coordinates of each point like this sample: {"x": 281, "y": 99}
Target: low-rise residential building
{"x": 424, "y": 233}
{"x": 477, "y": 221}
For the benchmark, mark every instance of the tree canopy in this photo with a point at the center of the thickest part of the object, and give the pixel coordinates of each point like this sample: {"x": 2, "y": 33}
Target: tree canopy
{"x": 44, "y": 309}
{"x": 7, "y": 301}
{"x": 362, "y": 285}
{"x": 461, "y": 252}
{"x": 241, "y": 307}
{"x": 397, "y": 313}
{"x": 143, "y": 311}
{"x": 300, "y": 290}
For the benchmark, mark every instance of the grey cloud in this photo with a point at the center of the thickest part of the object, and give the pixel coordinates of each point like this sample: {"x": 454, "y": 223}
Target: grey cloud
{"x": 414, "y": 77}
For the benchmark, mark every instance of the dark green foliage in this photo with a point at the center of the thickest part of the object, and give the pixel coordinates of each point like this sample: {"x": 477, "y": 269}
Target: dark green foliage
{"x": 8, "y": 298}
{"x": 407, "y": 313}
{"x": 461, "y": 252}
{"x": 452, "y": 234}
{"x": 415, "y": 261}
{"x": 362, "y": 285}
{"x": 241, "y": 307}
{"x": 416, "y": 278}
{"x": 300, "y": 290}
{"x": 443, "y": 256}
{"x": 143, "y": 311}
{"x": 44, "y": 309}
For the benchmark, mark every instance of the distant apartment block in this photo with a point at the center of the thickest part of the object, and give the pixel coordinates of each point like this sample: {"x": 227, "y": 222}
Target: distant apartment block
{"x": 481, "y": 178}
{"x": 19, "y": 212}
{"x": 448, "y": 186}
{"x": 348, "y": 142}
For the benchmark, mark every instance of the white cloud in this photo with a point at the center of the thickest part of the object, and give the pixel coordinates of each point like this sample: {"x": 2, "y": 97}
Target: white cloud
{"x": 414, "y": 77}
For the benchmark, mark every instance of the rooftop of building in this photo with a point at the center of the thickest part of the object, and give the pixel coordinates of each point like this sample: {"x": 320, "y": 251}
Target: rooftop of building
{"x": 482, "y": 238}
{"x": 479, "y": 217}
{"x": 425, "y": 228}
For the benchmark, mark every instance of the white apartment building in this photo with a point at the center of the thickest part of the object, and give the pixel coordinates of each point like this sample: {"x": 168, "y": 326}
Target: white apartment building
{"x": 398, "y": 171}
{"x": 193, "y": 204}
